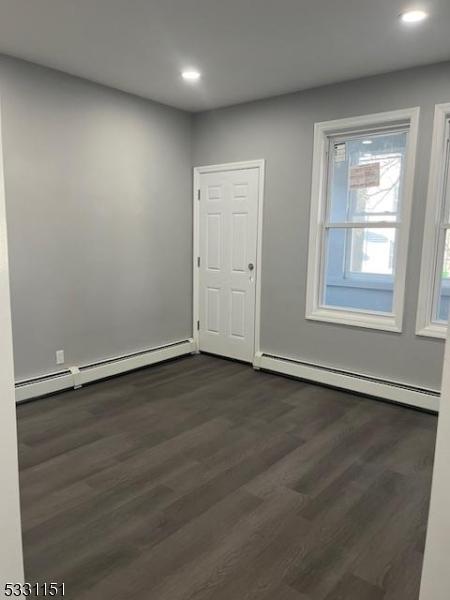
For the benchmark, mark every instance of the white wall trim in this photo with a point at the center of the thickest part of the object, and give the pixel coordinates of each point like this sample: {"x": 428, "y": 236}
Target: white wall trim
{"x": 355, "y": 382}
{"x": 234, "y": 166}
{"x": 11, "y": 557}
{"x": 75, "y": 377}
{"x": 322, "y": 131}
{"x": 195, "y": 255}
{"x": 435, "y": 584}
{"x": 424, "y": 324}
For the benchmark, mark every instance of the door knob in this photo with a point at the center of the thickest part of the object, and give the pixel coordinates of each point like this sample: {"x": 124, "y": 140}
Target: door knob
{"x": 251, "y": 266}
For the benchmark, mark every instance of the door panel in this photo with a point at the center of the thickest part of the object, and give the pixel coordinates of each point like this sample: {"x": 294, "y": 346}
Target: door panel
{"x": 214, "y": 242}
{"x": 228, "y": 242}
{"x": 213, "y": 310}
{"x": 239, "y": 242}
{"x": 237, "y": 314}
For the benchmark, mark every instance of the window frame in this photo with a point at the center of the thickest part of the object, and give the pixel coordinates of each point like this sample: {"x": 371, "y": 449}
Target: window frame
{"x": 323, "y": 131}
{"x": 434, "y": 222}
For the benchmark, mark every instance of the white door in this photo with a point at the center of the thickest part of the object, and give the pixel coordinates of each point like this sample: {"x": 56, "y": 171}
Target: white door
{"x": 228, "y": 227}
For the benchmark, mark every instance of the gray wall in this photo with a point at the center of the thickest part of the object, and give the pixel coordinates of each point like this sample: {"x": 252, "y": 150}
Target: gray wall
{"x": 281, "y": 131}
{"x": 98, "y": 191}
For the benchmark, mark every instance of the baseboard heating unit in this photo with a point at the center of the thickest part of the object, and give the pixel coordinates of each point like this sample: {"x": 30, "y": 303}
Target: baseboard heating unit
{"x": 77, "y": 376}
{"x": 393, "y": 391}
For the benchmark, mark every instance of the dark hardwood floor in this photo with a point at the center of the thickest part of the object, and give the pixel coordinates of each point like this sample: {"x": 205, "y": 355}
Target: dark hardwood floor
{"x": 203, "y": 479}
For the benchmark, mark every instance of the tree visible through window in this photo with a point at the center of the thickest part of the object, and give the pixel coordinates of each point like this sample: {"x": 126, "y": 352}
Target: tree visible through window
{"x": 370, "y": 252}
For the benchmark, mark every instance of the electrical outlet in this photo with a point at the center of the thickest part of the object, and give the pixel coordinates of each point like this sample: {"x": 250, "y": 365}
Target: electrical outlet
{"x": 60, "y": 357}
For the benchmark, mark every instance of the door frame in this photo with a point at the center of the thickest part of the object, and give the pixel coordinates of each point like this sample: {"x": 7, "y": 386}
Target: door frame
{"x": 11, "y": 555}
{"x": 233, "y": 166}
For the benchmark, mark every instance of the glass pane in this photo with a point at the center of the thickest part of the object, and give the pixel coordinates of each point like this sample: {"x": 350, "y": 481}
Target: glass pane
{"x": 366, "y": 177}
{"x": 359, "y": 269}
{"x": 447, "y": 188}
{"x": 443, "y": 303}
{"x": 371, "y": 251}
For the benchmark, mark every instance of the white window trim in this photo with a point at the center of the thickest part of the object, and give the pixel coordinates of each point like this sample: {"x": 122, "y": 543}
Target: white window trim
{"x": 425, "y": 325}
{"x": 322, "y": 131}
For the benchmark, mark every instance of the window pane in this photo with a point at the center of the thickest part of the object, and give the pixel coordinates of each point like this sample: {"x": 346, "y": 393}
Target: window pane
{"x": 359, "y": 269}
{"x": 366, "y": 177}
{"x": 443, "y": 303}
{"x": 446, "y": 198}
{"x": 371, "y": 251}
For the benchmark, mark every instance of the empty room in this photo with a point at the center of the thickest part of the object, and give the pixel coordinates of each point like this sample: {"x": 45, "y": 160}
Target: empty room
{"x": 224, "y": 299}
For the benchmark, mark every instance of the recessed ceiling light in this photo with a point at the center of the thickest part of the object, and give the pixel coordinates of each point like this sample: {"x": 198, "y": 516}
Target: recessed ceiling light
{"x": 367, "y": 142}
{"x": 190, "y": 75}
{"x": 413, "y": 16}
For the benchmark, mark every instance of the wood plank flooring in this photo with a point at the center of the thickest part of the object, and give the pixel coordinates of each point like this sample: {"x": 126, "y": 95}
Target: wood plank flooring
{"x": 201, "y": 479}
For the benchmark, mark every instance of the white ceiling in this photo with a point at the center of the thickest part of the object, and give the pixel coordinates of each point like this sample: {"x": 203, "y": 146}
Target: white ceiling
{"x": 246, "y": 49}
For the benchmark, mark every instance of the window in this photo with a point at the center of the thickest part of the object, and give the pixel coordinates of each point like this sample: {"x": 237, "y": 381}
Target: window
{"x": 434, "y": 291}
{"x": 360, "y": 209}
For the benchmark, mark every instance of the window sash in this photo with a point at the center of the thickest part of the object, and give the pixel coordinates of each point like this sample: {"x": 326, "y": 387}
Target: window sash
{"x": 363, "y": 225}
{"x": 380, "y": 223}
{"x": 361, "y": 277}
{"x": 445, "y": 191}
{"x": 441, "y": 230}
{"x": 439, "y": 263}
{"x": 437, "y": 223}
{"x": 363, "y": 134}
{"x": 326, "y": 134}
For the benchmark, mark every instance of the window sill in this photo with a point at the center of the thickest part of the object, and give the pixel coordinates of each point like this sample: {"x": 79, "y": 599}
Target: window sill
{"x": 381, "y": 322}
{"x": 433, "y": 330}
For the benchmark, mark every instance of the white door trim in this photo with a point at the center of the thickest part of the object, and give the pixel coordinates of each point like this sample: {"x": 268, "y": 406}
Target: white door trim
{"x": 234, "y": 166}
{"x": 11, "y": 560}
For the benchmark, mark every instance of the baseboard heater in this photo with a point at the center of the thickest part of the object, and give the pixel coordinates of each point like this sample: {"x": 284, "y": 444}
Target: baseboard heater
{"x": 393, "y": 391}
{"x": 77, "y": 376}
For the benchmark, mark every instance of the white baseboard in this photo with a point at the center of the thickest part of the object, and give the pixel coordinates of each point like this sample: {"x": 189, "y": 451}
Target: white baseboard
{"x": 78, "y": 376}
{"x": 354, "y": 382}
{"x": 43, "y": 386}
